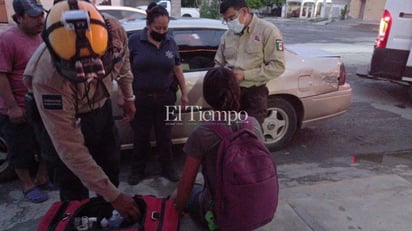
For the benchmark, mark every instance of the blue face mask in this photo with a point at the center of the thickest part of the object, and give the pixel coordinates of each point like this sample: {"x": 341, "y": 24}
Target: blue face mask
{"x": 235, "y": 26}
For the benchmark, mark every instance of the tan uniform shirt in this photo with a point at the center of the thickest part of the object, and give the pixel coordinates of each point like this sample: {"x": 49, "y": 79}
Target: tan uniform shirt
{"x": 60, "y": 121}
{"x": 258, "y": 52}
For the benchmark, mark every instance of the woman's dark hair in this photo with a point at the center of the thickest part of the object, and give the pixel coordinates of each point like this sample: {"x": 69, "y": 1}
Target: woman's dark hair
{"x": 153, "y": 11}
{"x": 236, "y": 4}
{"x": 221, "y": 89}
{"x": 15, "y": 16}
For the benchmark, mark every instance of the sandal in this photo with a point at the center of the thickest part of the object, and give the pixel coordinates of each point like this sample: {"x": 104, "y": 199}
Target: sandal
{"x": 35, "y": 195}
{"x": 48, "y": 186}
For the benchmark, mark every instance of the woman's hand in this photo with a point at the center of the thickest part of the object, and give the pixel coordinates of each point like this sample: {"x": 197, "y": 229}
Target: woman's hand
{"x": 184, "y": 100}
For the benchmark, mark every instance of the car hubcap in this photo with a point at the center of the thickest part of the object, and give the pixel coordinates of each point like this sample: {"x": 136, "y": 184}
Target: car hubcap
{"x": 275, "y": 125}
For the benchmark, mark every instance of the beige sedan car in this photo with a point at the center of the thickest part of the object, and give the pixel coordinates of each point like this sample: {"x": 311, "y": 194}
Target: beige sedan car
{"x": 311, "y": 89}
{"x": 123, "y": 13}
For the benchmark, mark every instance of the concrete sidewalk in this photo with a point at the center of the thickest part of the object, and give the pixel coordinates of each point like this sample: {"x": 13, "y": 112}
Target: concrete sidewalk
{"x": 330, "y": 196}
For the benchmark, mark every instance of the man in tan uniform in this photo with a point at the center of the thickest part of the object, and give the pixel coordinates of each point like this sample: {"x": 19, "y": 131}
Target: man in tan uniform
{"x": 74, "y": 104}
{"x": 253, "y": 49}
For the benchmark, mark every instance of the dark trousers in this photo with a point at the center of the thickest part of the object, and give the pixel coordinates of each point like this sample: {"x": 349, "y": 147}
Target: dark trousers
{"x": 21, "y": 143}
{"x": 101, "y": 139}
{"x": 151, "y": 113}
{"x": 254, "y": 100}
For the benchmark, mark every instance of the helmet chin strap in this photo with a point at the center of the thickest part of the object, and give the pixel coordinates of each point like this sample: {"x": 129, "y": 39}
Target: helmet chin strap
{"x": 83, "y": 64}
{"x": 81, "y": 39}
{"x": 86, "y": 67}
{"x": 90, "y": 68}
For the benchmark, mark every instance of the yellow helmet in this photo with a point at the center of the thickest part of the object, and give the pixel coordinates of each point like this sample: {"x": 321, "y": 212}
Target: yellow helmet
{"x": 75, "y": 29}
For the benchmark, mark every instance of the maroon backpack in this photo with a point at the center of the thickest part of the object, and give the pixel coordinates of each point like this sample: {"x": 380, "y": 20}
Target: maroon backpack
{"x": 247, "y": 189}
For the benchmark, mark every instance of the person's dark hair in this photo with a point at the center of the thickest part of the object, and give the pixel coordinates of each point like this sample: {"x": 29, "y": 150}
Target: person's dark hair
{"x": 236, "y": 4}
{"x": 221, "y": 89}
{"x": 153, "y": 11}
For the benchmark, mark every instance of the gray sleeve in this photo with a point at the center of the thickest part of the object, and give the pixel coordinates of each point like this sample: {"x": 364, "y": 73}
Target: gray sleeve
{"x": 258, "y": 128}
{"x": 200, "y": 142}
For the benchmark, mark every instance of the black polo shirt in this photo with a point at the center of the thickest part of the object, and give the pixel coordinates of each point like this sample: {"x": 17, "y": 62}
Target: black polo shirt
{"x": 152, "y": 67}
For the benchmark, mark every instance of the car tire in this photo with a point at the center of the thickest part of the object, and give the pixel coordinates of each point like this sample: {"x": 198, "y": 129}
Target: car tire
{"x": 6, "y": 171}
{"x": 280, "y": 125}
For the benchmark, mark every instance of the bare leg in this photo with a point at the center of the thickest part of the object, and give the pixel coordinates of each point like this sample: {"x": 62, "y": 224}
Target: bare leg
{"x": 41, "y": 176}
{"x": 25, "y": 178}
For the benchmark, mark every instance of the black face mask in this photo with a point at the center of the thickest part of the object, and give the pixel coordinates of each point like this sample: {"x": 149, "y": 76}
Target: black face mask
{"x": 158, "y": 36}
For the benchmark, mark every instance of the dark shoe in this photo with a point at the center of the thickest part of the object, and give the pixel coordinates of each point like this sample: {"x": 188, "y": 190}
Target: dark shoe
{"x": 170, "y": 173}
{"x": 49, "y": 186}
{"x": 135, "y": 178}
{"x": 35, "y": 195}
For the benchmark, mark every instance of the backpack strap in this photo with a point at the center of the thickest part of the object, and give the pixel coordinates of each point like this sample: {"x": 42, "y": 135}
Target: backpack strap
{"x": 222, "y": 130}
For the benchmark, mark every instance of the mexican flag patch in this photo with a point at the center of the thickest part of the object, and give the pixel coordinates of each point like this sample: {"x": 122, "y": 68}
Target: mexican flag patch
{"x": 279, "y": 45}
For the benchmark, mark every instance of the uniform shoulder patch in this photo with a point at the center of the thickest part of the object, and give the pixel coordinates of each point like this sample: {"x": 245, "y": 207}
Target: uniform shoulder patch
{"x": 279, "y": 45}
{"x": 52, "y": 102}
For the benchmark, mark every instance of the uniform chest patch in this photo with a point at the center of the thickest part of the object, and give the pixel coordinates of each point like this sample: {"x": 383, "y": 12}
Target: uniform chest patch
{"x": 279, "y": 45}
{"x": 169, "y": 54}
{"x": 52, "y": 102}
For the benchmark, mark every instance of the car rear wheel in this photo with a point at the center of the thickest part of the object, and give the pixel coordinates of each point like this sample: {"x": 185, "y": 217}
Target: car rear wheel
{"x": 6, "y": 172}
{"x": 280, "y": 125}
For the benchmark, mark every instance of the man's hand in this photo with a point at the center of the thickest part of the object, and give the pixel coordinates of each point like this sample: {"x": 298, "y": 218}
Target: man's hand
{"x": 127, "y": 207}
{"x": 17, "y": 115}
{"x": 129, "y": 110}
{"x": 240, "y": 75}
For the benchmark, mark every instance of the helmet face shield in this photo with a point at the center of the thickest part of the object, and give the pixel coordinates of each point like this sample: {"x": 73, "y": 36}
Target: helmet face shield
{"x": 77, "y": 36}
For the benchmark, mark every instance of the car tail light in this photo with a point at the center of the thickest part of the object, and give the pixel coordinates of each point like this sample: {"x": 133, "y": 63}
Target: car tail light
{"x": 342, "y": 75}
{"x": 384, "y": 28}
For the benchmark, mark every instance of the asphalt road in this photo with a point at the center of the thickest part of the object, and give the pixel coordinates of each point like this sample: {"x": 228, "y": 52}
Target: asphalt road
{"x": 379, "y": 118}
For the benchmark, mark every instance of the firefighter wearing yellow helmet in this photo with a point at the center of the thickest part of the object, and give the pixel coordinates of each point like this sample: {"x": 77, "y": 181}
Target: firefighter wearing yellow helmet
{"x": 79, "y": 132}
{"x": 77, "y": 37}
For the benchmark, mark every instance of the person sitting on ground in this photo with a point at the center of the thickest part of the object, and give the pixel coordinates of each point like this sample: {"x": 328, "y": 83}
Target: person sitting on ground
{"x": 222, "y": 92}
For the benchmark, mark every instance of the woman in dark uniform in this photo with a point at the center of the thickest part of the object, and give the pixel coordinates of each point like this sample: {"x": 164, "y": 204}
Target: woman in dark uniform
{"x": 156, "y": 67}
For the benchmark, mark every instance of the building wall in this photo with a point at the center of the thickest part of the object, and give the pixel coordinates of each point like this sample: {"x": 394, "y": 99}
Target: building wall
{"x": 373, "y": 9}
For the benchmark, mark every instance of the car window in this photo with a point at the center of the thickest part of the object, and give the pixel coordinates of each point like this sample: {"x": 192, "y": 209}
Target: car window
{"x": 197, "y": 47}
{"x": 164, "y": 4}
{"x": 123, "y": 15}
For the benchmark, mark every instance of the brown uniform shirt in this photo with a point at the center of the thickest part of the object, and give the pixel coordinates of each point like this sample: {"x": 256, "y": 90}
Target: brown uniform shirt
{"x": 60, "y": 115}
{"x": 258, "y": 52}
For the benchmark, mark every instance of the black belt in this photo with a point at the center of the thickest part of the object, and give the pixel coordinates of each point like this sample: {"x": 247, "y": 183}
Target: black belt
{"x": 152, "y": 93}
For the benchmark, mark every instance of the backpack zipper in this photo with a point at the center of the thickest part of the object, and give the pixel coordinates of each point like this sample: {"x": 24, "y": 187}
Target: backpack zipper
{"x": 162, "y": 213}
